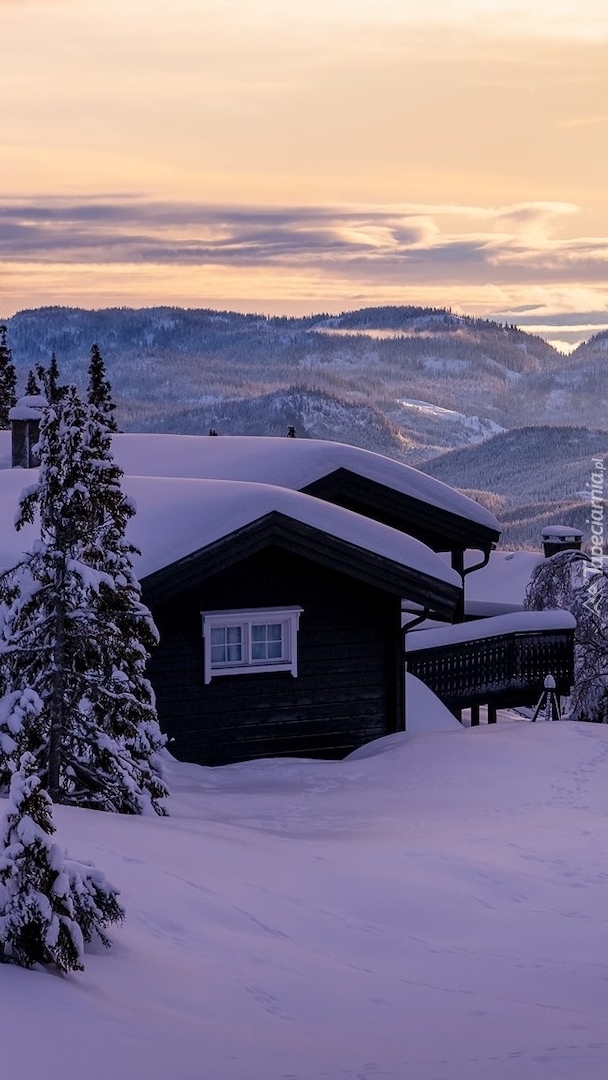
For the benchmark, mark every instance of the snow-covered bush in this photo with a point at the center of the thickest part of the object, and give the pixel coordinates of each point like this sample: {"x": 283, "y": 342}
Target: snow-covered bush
{"x": 49, "y": 905}
{"x": 571, "y": 581}
{"x": 37, "y": 919}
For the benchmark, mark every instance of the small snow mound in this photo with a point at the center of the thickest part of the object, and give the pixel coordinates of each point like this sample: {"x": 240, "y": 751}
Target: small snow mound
{"x": 425, "y": 714}
{"x": 424, "y": 711}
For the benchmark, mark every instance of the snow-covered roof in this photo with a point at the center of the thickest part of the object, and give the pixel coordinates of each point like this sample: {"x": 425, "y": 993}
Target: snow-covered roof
{"x": 289, "y": 463}
{"x": 179, "y": 516}
{"x": 561, "y": 532}
{"x": 518, "y": 622}
{"x": 502, "y": 583}
{"x": 176, "y": 517}
{"x": 28, "y": 408}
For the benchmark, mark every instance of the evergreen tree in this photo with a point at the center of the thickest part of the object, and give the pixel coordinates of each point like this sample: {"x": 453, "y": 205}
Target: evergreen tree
{"x": 37, "y": 924}
{"x": 32, "y": 386}
{"x": 8, "y": 380}
{"x": 49, "y": 379}
{"x": 76, "y": 637}
{"x": 99, "y": 393}
{"x": 96, "y": 904}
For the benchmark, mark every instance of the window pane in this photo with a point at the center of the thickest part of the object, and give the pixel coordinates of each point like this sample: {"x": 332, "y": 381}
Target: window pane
{"x": 226, "y": 645}
{"x": 267, "y": 641}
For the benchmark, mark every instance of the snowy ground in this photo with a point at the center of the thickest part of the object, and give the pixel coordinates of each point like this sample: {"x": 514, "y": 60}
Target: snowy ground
{"x": 433, "y": 908}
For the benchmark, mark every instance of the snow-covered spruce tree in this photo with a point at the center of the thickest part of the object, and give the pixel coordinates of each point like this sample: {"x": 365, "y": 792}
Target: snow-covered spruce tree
{"x": 76, "y": 636}
{"x": 569, "y": 580}
{"x": 99, "y": 391}
{"x": 8, "y": 380}
{"x": 37, "y": 924}
{"x": 95, "y": 901}
{"x": 49, "y": 904}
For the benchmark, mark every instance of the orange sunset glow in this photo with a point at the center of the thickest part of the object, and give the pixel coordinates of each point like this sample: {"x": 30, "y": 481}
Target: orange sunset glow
{"x": 300, "y": 155}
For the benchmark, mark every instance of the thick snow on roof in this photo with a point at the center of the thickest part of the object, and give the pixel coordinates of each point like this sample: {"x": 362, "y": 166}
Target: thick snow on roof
{"x": 503, "y": 581}
{"x": 517, "y": 622}
{"x": 28, "y": 408}
{"x": 176, "y": 517}
{"x": 290, "y": 463}
{"x": 561, "y": 532}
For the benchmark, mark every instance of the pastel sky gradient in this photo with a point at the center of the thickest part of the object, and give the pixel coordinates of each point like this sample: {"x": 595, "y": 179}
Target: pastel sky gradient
{"x": 300, "y": 155}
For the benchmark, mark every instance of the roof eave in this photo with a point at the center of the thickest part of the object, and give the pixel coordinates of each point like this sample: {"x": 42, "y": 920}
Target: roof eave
{"x": 437, "y": 527}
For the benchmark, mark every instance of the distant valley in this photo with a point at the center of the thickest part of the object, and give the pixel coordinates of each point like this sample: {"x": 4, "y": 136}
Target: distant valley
{"x": 457, "y": 396}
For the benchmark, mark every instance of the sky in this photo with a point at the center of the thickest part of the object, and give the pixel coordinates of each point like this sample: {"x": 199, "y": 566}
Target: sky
{"x": 307, "y": 155}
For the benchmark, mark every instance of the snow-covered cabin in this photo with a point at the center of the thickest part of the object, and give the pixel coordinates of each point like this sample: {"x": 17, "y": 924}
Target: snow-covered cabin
{"x": 277, "y": 571}
{"x": 279, "y": 617}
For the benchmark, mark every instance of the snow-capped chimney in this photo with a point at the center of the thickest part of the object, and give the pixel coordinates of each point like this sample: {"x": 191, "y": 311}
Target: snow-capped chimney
{"x": 561, "y": 538}
{"x": 25, "y": 419}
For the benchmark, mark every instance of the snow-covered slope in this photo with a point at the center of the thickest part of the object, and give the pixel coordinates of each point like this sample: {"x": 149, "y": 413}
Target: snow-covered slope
{"x": 475, "y": 428}
{"x": 431, "y": 909}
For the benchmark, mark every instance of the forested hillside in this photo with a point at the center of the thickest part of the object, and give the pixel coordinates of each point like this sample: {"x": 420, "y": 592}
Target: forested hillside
{"x": 168, "y": 362}
{"x": 539, "y": 475}
{"x": 410, "y": 382}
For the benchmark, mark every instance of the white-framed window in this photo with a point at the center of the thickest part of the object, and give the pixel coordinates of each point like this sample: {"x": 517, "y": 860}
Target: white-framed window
{"x": 242, "y": 642}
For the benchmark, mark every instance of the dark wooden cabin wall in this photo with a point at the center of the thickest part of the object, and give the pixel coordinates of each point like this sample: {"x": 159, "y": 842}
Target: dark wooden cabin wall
{"x": 348, "y": 688}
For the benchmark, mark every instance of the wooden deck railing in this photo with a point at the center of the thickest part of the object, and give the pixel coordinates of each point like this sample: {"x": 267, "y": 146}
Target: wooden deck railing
{"x": 500, "y": 669}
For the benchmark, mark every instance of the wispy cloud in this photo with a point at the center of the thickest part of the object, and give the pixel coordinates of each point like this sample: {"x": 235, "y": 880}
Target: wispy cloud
{"x": 506, "y": 262}
{"x": 584, "y": 121}
{"x": 407, "y": 242}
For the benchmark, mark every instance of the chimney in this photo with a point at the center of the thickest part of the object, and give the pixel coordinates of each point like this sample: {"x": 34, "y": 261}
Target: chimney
{"x": 561, "y": 538}
{"x": 25, "y": 419}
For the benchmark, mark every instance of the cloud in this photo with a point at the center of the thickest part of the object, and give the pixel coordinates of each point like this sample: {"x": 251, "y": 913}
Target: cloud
{"x": 584, "y": 121}
{"x": 37, "y": 3}
{"x": 399, "y": 243}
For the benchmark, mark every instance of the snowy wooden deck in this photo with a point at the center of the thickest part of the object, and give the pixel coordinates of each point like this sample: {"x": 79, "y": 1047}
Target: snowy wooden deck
{"x": 499, "y": 663}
